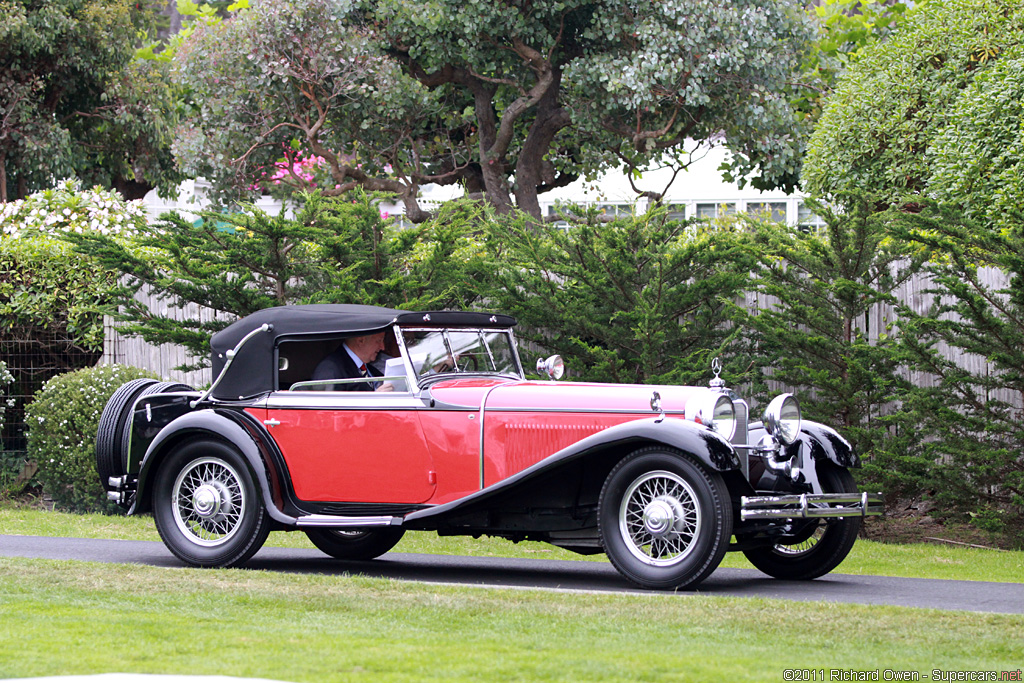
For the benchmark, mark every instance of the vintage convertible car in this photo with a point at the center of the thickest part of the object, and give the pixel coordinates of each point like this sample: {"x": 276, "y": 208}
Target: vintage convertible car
{"x": 663, "y": 479}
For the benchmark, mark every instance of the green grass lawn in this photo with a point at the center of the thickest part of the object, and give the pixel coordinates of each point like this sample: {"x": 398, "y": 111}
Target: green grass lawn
{"x": 85, "y": 618}
{"x": 78, "y": 617}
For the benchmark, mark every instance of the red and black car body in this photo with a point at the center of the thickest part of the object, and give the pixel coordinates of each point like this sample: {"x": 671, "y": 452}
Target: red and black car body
{"x": 664, "y": 479}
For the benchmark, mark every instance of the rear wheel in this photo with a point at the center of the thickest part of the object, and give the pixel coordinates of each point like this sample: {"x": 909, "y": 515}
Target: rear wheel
{"x": 815, "y": 547}
{"x": 207, "y": 506}
{"x": 116, "y": 417}
{"x": 361, "y": 544}
{"x": 665, "y": 521}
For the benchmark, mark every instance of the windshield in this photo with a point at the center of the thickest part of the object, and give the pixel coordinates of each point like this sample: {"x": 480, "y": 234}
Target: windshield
{"x": 461, "y": 350}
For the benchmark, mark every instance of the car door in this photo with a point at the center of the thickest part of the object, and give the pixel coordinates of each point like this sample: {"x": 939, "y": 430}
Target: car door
{"x": 352, "y": 446}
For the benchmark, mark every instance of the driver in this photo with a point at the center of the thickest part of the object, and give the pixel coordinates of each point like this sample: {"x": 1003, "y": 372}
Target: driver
{"x": 353, "y": 359}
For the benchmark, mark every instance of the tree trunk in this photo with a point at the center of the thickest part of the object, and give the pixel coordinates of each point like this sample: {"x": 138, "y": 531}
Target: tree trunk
{"x": 3, "y": 178}
{"x": 531, "y": 173}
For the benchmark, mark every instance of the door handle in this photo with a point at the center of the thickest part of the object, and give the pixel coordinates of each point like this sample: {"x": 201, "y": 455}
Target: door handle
{"x": 271, "y": 422}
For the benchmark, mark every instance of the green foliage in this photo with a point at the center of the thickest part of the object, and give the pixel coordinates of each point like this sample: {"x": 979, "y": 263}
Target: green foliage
{"x": 899, "y": 106}
{"x": 640, "y": 299}
{"x": 846, "y": 27}
{"x": 62, "y": 422}
{"x": 51, "y": 299}
{"x": 75, "y": 103}
{"x": 10, "y": 464}
{"x": 46, "y": 289}
{"x": 334, "y": 250}
{"x": 504, "y": 100}
{"x": 977, "y": 161}
{"x": 974, "y": 404}
{"x": 814, "y": 336}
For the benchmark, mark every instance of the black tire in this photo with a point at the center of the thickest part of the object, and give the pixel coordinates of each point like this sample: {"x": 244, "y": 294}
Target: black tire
{"x": 665, "y": 521}
{"x": 816, "y": 547}
{"x": 113, "y": 419}
{"x": 361, "y": 544}
{"x": 126, "y": 430}
{"x": 207, "y": 506}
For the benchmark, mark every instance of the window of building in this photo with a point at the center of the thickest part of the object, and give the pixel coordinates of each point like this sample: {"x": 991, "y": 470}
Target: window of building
{"x": 807, "y": 219}
{"x": 676, "y": 212}
{"x": 615, "y": 210}
{"x": 775, "y": 211}
{"x": 715, "y": 210}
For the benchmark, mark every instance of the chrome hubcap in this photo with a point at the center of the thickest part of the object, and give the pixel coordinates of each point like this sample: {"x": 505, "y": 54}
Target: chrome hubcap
{"x": 663, "y": 516}
{"x": 206, "y": 501}
{"x": 659, "y": 518}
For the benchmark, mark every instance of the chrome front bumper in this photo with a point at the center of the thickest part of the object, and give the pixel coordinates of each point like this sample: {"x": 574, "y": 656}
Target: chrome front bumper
{"x": 811, "y": 506}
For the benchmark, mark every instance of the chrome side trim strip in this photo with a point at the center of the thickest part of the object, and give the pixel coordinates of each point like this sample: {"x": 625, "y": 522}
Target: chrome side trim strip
{"x": 642, "y": 412}
{"x": 342, "y": 400}
{"x": 325, "y": 521}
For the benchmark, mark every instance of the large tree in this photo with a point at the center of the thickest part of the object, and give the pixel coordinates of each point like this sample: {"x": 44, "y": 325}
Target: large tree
{"x": 73, "y": 101}
{"x": 912, "y": 111}
{"x": 506, "y": 98}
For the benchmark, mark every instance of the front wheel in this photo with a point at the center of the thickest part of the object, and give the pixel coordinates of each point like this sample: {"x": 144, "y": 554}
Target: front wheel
{"x": 362, "y": 544}
{"x": 816, "y": 546}
{"x": 665, "y": 521}
{"x": 207, "y": 506}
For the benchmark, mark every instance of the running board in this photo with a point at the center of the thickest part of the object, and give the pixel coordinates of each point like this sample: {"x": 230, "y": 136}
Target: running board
{"x": 338, "y": 522}
{"x": 811, "y": 506}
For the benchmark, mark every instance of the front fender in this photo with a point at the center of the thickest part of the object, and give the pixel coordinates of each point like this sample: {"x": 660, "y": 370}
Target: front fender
{"x": 711, "y": 449}
{"x": 818, "y": 442}
{"x": 233, "y": 427}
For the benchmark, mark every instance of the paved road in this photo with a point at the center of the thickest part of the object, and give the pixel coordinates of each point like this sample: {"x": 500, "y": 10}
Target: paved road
{"x": 973, "y": 596}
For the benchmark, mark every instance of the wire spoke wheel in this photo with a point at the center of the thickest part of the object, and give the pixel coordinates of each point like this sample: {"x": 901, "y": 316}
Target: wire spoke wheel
{"x": 355, "y": 544}
{"x": 815, "y": 549}
{"x": 660, "y": 518}
{"x": 207, "y": 505}
{"x": 664, "y": 519}
{"x": 208, "y": 501}
{"x": 806, "y": 542}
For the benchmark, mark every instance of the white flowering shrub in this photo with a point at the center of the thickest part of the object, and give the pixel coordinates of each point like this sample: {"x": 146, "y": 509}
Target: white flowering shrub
{"x": 61, "y": 423}
{"x": 6, "y": 379}
{"x": 69, "y": 208}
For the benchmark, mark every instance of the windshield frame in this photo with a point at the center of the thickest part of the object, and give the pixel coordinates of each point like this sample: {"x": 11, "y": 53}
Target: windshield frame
{"x": 446, "y": 332}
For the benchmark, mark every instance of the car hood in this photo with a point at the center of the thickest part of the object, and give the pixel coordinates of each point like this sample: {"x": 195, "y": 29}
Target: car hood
{"x": 569, "y": 396}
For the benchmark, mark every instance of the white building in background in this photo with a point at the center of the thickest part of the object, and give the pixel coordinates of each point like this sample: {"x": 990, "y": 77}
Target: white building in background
{"x": 697, "y": 192}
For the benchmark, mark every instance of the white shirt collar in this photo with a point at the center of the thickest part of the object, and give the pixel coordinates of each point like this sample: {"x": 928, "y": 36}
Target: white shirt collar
{"x": 355, "y": 359}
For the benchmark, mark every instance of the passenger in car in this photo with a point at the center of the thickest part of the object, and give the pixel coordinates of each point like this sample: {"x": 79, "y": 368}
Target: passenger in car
{"x": 353, "y": 359}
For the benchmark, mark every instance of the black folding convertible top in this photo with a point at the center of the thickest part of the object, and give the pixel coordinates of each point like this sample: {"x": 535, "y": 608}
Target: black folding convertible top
{"x": 252, "y": 371}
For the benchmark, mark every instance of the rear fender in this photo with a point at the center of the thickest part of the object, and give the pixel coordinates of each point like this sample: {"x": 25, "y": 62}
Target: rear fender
{"x": 230, "y": 426}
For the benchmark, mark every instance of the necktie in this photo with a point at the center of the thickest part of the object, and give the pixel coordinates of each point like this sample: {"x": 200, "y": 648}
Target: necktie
{"x": 363, "y": 369}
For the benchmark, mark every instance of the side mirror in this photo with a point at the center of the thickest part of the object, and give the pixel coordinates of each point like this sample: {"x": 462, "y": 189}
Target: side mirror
{"x": 553, "y": 367}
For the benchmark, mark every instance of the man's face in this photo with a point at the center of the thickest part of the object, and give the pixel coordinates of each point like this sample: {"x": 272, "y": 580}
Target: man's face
{"x": 366, "y": 347}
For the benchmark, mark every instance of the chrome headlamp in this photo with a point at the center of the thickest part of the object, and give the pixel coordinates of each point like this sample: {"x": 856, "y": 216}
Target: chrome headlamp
{"x": 715, "y": 411}
{"x": 782, "y": 419}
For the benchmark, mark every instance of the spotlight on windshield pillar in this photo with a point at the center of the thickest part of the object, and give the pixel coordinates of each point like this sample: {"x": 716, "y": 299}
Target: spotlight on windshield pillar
{"x": 552, "y": 366}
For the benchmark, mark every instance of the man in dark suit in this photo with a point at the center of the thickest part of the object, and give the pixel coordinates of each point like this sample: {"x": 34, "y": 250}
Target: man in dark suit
{"x": 350, "y": 360}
